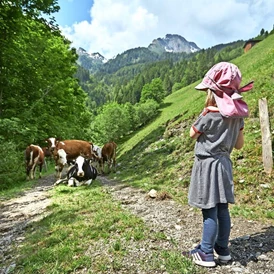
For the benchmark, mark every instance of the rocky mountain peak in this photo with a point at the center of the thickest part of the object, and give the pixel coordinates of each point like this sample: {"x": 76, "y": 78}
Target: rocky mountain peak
{"x": 173, "y": 43}
{"x": 95, "y": 56}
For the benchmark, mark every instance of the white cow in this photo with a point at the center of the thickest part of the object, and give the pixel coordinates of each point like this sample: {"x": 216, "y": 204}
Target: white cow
{"x": 98, "y": 153}
{"x": 61, "y": 161}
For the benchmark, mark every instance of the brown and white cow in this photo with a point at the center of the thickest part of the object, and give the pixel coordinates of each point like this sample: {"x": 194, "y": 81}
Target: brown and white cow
{"x": 34, "y": 156}
{"x": 109, "y": 156}
{"x": 47, "y": 152}
{"x": 51, "y": 141}
{"x": 72, "y": 149}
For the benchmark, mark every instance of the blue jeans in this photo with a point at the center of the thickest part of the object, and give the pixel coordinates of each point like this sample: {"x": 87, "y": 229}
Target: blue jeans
{"x": 216, "y": 228}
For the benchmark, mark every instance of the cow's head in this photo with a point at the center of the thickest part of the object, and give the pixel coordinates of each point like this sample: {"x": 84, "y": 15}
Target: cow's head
{"x": 51, "y": 141}
{"x": 97, "y": 151}
{"x": 47, "y": 152}
{"x": 80, "y": 164}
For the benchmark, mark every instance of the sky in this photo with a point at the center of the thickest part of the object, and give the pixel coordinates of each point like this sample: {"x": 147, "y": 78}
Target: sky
{"x": 111, "y": 27}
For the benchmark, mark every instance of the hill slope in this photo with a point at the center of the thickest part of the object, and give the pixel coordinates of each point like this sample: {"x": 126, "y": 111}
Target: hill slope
{"x": 161, "y": 154}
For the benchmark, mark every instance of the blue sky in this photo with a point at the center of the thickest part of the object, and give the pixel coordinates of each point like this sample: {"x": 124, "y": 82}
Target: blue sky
{"x": 111, "y": 27}
{"x": 73, "y": 11}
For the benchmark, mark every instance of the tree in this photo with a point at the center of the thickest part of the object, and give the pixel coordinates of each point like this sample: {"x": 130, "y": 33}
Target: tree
{"x": 111, "y": 123}
{"x": 13, "y": 14}
{"x": 167, "y": 84}
{"x": 190, "y": 75}
{"x": 132, "y": 115}
{"x": 46, "y": 98}
{"x": 22, "y": 90}
{"x": 154, "y": 91}
{"x": 145, "y": 112}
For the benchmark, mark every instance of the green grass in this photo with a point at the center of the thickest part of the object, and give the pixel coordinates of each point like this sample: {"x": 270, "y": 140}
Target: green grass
{"x": 67, "y": 240}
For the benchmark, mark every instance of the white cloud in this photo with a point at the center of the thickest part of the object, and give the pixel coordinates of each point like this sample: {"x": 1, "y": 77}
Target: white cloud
{"x": 118, "y": 25}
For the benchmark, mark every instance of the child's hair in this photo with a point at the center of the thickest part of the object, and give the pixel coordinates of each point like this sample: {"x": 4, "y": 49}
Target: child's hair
{"x": 210, "y": 100}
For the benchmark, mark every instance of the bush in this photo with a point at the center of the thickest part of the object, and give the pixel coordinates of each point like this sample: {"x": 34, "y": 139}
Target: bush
{"x": 146, "y": 111}
{"x": 12, "y": 165}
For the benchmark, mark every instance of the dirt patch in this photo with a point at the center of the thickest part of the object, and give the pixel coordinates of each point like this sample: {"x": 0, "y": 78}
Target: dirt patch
{"x": 252, "y": 243}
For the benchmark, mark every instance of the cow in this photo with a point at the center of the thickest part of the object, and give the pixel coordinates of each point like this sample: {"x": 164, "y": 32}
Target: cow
{"x": 72, "y": 149}
{"x": 81, "y": 172}
{"x": 97, "y": 159}
{"x": 60, "y": 161}
{"x": 109, "y": 156}
{"x": 47, "y": 152}
{"x": 97, "y": 150}
{"x": 51, "y": 141}
{"x": 34, "y": 156}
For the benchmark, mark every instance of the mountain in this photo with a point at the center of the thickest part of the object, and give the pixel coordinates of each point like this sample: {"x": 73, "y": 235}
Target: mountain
{"x": 172, "y": 46}
{"x": 173, "y": 43}
{"x": 92, "y": 62}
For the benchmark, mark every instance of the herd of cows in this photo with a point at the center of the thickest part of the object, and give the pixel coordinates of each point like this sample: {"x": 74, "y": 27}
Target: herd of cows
{"x": 84, "y": 159}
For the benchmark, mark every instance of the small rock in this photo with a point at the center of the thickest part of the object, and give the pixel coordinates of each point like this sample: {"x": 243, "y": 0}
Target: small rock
{"x": 237, "y": 269}
{"x": 152, "y": 193}
{"x": 263, "y": 257}
{"x": 244, "y": 238}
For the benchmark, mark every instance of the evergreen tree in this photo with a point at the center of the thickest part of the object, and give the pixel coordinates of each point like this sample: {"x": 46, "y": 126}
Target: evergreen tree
{"x": 167, "y": 84}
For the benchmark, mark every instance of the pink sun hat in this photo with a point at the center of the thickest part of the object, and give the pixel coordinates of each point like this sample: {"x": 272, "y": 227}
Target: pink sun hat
{"x": 224, "y": 80}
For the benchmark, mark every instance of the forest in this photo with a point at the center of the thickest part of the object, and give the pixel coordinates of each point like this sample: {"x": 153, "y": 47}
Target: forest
{"x": 44, "y": 92}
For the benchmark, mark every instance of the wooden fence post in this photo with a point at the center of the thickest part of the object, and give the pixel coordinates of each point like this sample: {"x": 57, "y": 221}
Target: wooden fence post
{"x": 266, "y": 136}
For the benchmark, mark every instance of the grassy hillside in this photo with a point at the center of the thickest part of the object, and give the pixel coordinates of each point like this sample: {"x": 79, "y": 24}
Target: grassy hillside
{"x": 160, "y": 155}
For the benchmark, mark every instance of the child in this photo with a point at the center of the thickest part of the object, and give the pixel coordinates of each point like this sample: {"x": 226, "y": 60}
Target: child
{"x": 218, "y": 130}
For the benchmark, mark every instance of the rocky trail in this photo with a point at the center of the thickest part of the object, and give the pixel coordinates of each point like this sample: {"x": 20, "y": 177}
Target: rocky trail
{"x": 252, "y": 243}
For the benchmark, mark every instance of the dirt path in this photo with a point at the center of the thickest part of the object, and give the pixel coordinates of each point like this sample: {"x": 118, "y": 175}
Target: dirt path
{"x": 17, "y": 213}
{"x": 252, "y": 243}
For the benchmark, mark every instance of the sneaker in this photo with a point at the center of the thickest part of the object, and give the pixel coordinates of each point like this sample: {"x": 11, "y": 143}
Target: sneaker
{"x": 223, "y": 253}
{"x": 201, "y": 258}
